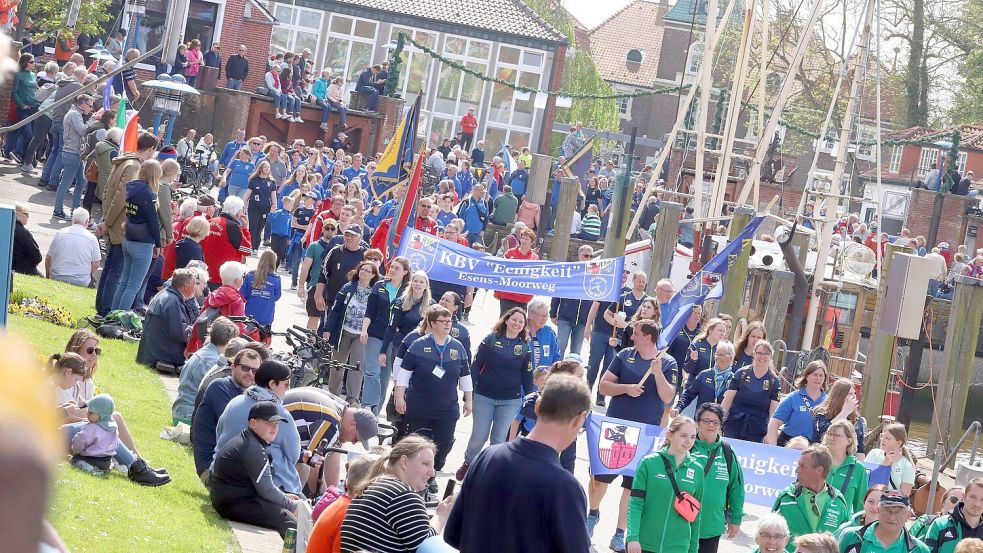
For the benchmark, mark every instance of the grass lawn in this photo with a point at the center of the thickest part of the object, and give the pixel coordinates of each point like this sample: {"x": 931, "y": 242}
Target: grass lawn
{"x": 112, "y": 514}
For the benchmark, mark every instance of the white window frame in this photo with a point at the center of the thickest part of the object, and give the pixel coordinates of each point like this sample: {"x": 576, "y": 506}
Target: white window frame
{"x": 694, "y": 58}
{"x": 519, "y": 68}
{"x": 896, "y": 154}
{"x": 624, "y": 107}
{"x": 351, "y": 38}
{"x": 411, "y": 53}
{"x": 293, "y": 28}
{"x": 865, "y": 151}
{"x": 961, "y": 162}
{"x": 926, "y": 158}
{"x": 465, "y": 59}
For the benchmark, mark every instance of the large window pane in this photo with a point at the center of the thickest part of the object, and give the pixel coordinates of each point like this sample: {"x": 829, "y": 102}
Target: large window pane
{"x": 518, "y": 139}
{"x": 524, "y": 109}
{"x": 501, "y": 100}
{"x": 309, "y": 19}
{"x": 365, "y": 29}
{"x": 305, "y": 40}
{"x": 455, "y": 45}
{"x": 479, "y": 50}
{"x": 532, "y": 58}
{"x": 280, "y": 41}
{"x": 336, "y": 54}
{"x": 419, "y": 66}
{"x": 507, "y": 54}
{"x": 447, "y": 90}
{"x": 283, "y": 13}
{"x": 341, "y": 25}
{"x": 471, "y": 92}
{"x": 441, "y": 129}
{"x": 360, "y": 59}
{"x": 494, "y": 138}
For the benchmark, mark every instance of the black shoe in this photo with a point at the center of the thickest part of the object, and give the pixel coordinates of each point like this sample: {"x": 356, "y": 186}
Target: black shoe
{"x": 600, "y": 401}
{"x": 432, "y": 488}
{"x": 61, "y": 216}
{"x": 140, "y": 473}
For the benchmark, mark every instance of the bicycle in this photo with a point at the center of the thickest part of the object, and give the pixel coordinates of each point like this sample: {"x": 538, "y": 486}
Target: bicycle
{"x": 196, "y": 175}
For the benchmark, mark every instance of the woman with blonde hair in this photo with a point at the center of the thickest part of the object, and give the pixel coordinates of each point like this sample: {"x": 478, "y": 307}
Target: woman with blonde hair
{"x": 359, "y": 474}
{"x": 391, "y": 510}
{"x": 816, "y": 543}
{"x": 143, "y": 239}
{"x": 840, "y": 404}
{"x": 375, "y": 372}
{"x": 408, "y": 310}
{"x": 847, "y": 474}
{"x": 894, "y": 452}
{"x": 752, "y": 397}
{"x": 260, "y": 199}
{"x": 262, "y": 288}
{"x": 794, "y": 414}
{"x": 654, "y": 524}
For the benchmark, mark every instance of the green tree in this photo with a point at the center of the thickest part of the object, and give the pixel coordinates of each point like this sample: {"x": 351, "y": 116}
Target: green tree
{"x": 50, "y": 15}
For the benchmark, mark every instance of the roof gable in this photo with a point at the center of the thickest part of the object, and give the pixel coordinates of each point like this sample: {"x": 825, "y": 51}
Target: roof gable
{"x": 640, "y": 20}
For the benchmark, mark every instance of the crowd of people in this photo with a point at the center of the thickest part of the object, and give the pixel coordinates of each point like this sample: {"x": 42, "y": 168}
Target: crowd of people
{"x": 308, "y": 212}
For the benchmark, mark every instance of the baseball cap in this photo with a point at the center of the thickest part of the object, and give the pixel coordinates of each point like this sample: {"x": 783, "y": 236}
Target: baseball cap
{"x": 354, "y": 229}
{"x": 266, "y": 411}
{"x": 366, "y": 426}
{"x": 206, "y": 201}
{"x": 310, "y": 194}
{"x": 894, "y": 499}
{"x": 943, "y": 246}
{"x": 376, "y": 203}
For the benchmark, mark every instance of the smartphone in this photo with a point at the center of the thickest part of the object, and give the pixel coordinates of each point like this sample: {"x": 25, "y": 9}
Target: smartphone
{"x": 449, "y": 490}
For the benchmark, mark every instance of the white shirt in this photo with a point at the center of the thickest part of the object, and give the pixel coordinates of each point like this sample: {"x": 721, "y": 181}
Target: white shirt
{"x": 73, "y": 251}
{"x": 938, "y": 270}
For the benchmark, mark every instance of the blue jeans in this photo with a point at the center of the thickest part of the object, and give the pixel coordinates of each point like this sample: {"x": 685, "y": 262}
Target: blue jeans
{"x": 24, "y": 134}
{"x": 373, "y": 94}
{"x": 279, "y": 99}
{"x": 473, "y": 237}
{"x": 52, "y": 165}
{"x": 234, "y": 84}
{"x": 567, "y": 331}
{"x": 123, "y": 456}
{"x": 492, "y": 416}
{"x": 293, "y": 261}
{"x": 292, "y": 103}
{"x": 112, "y": 269}
{"x": 385, "y": 375}
{"x": 327, "y": 106}
{"x": 371, "y": 390}
{"x": 601, "y": 355}
{"x": 137, "y": 257}
{"x": 72, "y": 171}
{"x": 933, "y": 287}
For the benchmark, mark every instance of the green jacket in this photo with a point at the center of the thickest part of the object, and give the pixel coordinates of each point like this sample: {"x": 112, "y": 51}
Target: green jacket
{"x": 24, "y": 90}
{"x": 919, "y": 528}
{"x": 856, "y": 521}
{"x": 853, "y": 490}
{"x": 863, "y": 540}
{"x": 791, "y": 503}
{"x": 948, "y": 530}
{"x": 652, "y": 519}
{"x": 723, "y": 491}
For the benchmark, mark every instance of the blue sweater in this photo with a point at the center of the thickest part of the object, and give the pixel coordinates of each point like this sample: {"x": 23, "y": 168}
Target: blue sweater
{"x": 502, "y": 367}
{"x": 285, "y": 448}
{"x": 402, "y": 323}
{"x": 379, "y": 309}
{"x": 229, "y": 152}
{"x": 261, "y": 302}
{"x": 203, "y": 424}
{"x": 142, "y": 222}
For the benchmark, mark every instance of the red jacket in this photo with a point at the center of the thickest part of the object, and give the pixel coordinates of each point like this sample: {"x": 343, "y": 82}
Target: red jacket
{"x": 317, "y": 223}
{"x": 229, "y": 303}
{"x": 514, "y": 253}
{"x": 425, "y": 224}
{"x": 469, "y": 123}
{"x": 226, "y": 241}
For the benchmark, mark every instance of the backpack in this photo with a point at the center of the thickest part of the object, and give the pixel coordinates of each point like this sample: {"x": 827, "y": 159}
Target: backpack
{"x": 203, "y": 321}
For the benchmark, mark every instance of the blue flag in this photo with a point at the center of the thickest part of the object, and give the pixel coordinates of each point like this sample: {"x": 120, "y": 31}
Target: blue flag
{"x": 446, "y": 261}
{"x": 706, "y": 284}
{"x": 578, "y": 164}
{"x": 394, "y": 165}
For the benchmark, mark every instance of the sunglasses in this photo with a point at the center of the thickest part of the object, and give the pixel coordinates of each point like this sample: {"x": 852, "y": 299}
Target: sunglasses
{"x": 248, "y": 369}
{"x": 90, "y": 351}
{"x": 326, "y": 227}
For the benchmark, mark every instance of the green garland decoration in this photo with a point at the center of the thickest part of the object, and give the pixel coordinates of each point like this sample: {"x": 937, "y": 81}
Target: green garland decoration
{"x": 393, "y": 79}
{"x": 718, "y": 117}
{"x": 573, "y": 95}
{"x": 951, "y": 163}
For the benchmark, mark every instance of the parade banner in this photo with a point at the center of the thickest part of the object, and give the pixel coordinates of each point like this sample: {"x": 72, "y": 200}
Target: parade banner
{"x": 446, "y": 261}
{"x": 616, "y": 446}
{"x": 707, "y": 283}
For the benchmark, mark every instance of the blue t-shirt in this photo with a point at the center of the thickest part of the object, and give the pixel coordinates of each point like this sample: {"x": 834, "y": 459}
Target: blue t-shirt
{"x": 261, "y": 302}
{"x": 629, "y": 367}
{"x": 239, "y": 173}
{"x": 284, "y": 192}
{"x": 444, "y": 217}
{"x": 545, "y": 348}
{"x": 432, "y": 392}
{"x": 754, "y": 395}
{"x": 795, "y": 410}
{"x": 503, "y": 367}
{"x": 303, "y": 215}
{"x": 351, "y": 173}
{"x": 280, "y": 222}
{"x": 260, "y": 190}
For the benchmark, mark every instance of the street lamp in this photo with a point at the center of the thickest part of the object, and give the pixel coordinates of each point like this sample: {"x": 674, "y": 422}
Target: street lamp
{"x": 170, "y": 91}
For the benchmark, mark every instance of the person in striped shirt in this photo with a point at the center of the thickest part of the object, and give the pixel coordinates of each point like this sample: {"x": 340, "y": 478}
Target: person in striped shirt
{"x": 390, "y": 517}
{"x": 590, "y": 226}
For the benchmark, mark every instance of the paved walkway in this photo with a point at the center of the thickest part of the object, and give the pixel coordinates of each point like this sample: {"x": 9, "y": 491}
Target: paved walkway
{"x": 16, "y": 188}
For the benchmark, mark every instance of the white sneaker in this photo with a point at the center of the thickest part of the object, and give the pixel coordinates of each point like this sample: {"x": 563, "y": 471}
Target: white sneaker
{"x": 282, "y": 116}
{"x": 297, "y": 119}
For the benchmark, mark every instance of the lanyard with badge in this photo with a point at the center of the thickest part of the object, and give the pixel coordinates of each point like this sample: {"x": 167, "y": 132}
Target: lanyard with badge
{"x": 439, "y": 371}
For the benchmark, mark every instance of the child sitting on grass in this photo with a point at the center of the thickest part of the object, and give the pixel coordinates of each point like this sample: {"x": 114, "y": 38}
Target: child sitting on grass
{"x": 68, "y": 369}
{"x": 95, "y": 445}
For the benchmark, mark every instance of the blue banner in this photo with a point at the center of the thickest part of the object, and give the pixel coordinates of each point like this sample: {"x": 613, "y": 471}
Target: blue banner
{"x": 706, "y": 284}
{"x": 446, "y": 261}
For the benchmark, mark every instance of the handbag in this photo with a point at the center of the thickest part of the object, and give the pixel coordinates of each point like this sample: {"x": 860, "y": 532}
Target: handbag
{"x": 92, "y": 171}
{"x": 685, "y": 504}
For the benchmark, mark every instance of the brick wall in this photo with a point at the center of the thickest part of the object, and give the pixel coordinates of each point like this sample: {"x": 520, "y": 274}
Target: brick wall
{"x": 254, "y": 32}
{"x": 952, "y": 225}
{"x": 391, "y": 110}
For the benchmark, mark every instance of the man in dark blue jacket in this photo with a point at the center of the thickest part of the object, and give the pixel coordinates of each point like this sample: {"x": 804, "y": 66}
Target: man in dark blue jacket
{"x": 570, "y": 316}
{"x": 366, "y": 85}
{"x": 218, "y": 394}
{"x": 542, "y": 508}
{"x": 167, "y": 326}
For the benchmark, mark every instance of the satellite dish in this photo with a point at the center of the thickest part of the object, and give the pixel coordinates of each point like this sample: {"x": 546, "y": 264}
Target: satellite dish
{"x": 857, "y": 261}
